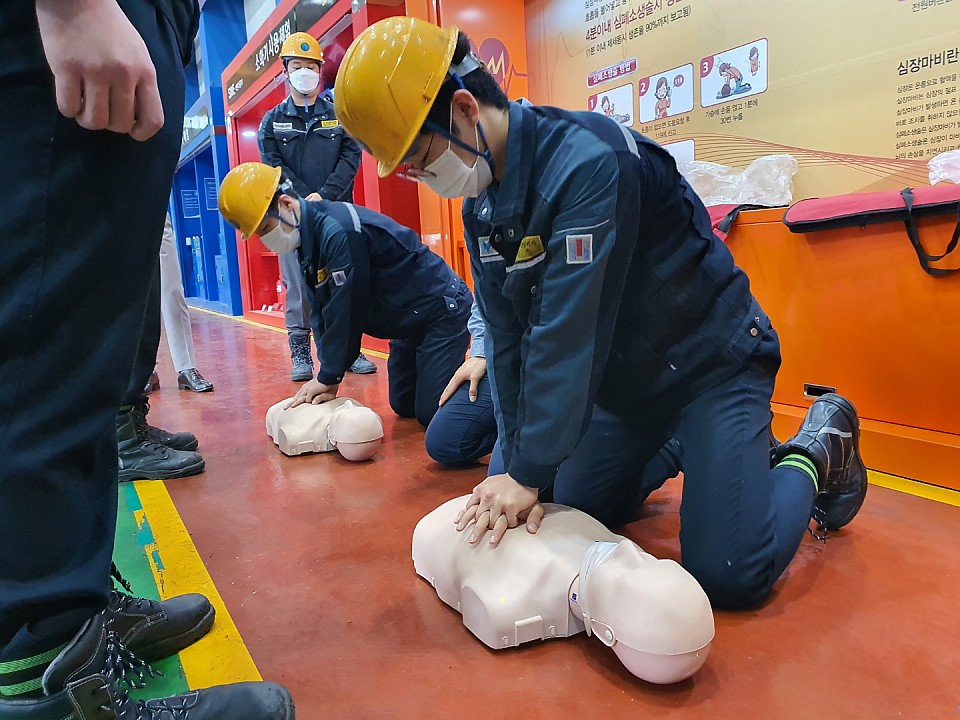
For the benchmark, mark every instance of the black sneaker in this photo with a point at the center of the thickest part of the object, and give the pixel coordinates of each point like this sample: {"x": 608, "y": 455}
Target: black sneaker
{"x": 155, "y": 630}
{"x": 830, "y": 437}
{"x": 83, "y": 683}
{"x": 175, "y": 441}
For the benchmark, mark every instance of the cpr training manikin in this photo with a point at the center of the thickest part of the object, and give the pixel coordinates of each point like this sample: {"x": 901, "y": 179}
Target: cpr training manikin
{"x": 340, "y": 424}
{"x": 572, "y": 575}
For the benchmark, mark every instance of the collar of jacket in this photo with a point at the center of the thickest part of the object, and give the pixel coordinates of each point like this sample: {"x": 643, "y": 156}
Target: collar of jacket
{"x": 306, "y": 249}
{"x": 320, "y": 108}
{"x": 521, "y": 139}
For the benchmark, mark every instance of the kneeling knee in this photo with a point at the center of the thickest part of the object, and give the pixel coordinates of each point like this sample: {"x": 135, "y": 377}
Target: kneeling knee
{"x": 439, "y": 446}
{"x": 402, "y": 409}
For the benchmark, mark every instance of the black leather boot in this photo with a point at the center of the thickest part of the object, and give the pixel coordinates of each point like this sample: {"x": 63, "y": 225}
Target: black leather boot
{"x": 774, "y": 445}
{"x": 84, "y": 683}
{"x": 148, "y": 460}
{"x": 830, "y": 437}
{"x": 191, "y": 379}
{"x": 154, "y": 630}
{"x": 146, "y": 432}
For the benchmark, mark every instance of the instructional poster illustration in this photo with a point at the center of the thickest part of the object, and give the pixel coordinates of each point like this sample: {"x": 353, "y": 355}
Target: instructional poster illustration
{"x": 732, "y": 74}
{"x": 616, "y": 103}
{"x": 666, "y": 95}
{"x": 769, "y": 78}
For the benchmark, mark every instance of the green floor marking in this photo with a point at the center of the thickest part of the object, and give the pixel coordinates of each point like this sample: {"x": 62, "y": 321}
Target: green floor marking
{"x": 130, "y": 555}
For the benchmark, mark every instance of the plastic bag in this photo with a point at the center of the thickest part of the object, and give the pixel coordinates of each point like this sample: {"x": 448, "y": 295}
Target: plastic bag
{"x": 766, "y": 181}
{"x": 945, "y": 166}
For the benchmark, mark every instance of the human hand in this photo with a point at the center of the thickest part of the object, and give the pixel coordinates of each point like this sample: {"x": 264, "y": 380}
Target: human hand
{"x": 103, "y": 74}
{"x": 314, "y": 392}
{"x": 313, "y": 197}
{"x": 472, "y": 371}
{"x": 498, "y": 503}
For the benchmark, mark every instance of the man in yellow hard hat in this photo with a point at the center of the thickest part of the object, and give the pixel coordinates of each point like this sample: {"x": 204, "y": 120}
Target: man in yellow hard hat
{"x": 366, "y": 274}
{"x": 303, "y": 137}
{"x": 616, "y": 319}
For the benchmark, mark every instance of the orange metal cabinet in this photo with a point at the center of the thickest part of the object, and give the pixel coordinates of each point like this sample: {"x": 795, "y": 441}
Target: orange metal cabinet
{"x": 855, "y": 311}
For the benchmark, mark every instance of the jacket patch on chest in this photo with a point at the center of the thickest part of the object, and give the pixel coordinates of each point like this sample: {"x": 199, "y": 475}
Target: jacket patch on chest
{"x": 322, "y": 276}
{"x": 530, "y": 248}
{"x": 579, "y": 249}
{"x": 282, "y": 126}
{"x": 329, "y": 123}
{"x": 339, "y": 277}
{"x": 488, "y": 253}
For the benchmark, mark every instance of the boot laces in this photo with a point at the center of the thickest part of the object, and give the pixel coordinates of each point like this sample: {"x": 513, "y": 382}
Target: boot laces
{"x": 301, "y": 353}
{"x": 125, "y": 667}
{"x": 139, "y": 415}
{"x": 126, "y": 600}
{"x": 122, "y": 666}
{"x": 820, "y": 533}
{"x": 194, "y": 376}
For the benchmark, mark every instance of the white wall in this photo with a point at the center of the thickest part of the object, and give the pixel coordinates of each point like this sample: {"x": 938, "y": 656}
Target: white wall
{"x": 255, "y": 12}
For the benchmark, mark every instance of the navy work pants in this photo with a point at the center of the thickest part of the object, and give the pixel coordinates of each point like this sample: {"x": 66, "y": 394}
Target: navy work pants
{"x": 462, "y": 432}
{"x": 84, "y": 213}
{"x": 419, "y": 368}
{"x": 740, "y": 522}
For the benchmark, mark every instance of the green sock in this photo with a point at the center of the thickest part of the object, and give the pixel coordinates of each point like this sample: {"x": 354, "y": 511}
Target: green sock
{"x": 25, "y": 677}
{"x": 803, "y": 464}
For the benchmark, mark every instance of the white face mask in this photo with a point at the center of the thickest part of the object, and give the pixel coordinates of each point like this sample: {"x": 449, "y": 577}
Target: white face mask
{"x": 305, "y": 80}
{"x": 451, "y": 177}
{"x": 280, "y": 240}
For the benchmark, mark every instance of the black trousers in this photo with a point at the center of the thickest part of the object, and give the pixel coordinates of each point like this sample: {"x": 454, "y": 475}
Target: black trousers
{"x": 82, "y": 213}
{"x": 146, "y": 358}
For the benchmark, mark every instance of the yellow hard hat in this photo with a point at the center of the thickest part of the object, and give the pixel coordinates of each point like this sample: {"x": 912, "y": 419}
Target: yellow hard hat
{"x": 301, "y": 45}
{"x": 246, "y": 193}
{"x": 387, "y": 82}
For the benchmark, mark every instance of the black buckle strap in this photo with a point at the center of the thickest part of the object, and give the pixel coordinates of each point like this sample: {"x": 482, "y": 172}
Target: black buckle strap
{"x": 922, "y": 255}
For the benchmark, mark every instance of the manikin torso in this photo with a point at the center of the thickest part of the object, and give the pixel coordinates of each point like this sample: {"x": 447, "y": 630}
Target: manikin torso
{"x": 518, "y": 591}
{"x": 340, "y": 424}
{"x": 527, "y": 589}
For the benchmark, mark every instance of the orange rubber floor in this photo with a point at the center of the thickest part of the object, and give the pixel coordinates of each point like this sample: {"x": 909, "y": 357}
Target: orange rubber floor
{"x": 312, "y": 557}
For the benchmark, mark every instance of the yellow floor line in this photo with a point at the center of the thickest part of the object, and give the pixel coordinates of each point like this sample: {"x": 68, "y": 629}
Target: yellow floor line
{"x": 221, "y": 657}
{"x": 254, "y": 323}
{"x": 912, "y": 487}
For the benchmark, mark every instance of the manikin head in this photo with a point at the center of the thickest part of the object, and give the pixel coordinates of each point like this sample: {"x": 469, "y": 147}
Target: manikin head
{"x": 356, "y": 431}
{"x": 650, "y": 612}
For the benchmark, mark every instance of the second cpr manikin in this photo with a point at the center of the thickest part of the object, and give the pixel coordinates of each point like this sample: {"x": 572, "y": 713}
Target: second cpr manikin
{"x": 341, "y": 424}
{"x": 573, "y": 575}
